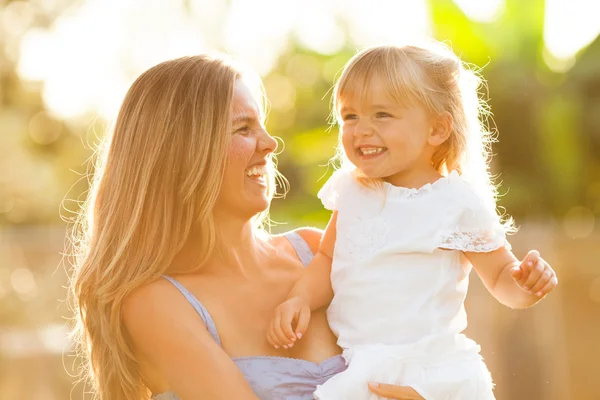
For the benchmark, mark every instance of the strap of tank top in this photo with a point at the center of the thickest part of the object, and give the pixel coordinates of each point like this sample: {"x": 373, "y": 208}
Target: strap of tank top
{"x": 302, "y": 248}
{"x": 200, "y": 309}
{"x": 303, "y": 251}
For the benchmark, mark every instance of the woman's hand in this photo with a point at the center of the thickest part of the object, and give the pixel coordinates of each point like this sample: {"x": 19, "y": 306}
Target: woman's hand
{"x": 395, "y": 392}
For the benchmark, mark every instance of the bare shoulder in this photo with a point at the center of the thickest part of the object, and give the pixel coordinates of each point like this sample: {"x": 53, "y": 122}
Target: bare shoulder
{"x": 153, "y": 310}
{"x": 176, "y": 346}
{"x": 147, "y": 298}
{"x": 312, "y": 236}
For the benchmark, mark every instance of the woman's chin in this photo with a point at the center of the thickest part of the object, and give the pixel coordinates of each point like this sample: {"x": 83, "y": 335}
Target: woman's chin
{"x": 257, "y": 204}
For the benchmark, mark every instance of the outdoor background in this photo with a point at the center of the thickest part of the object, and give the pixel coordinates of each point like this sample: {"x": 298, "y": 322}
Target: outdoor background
{"x": 65, "y": 65}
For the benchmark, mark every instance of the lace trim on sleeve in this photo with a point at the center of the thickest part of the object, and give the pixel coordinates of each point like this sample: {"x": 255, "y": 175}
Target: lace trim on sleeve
{"x": 479, "y": 241}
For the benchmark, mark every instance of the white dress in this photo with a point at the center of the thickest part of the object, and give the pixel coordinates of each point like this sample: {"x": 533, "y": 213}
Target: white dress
{"x": 400, "y": 278}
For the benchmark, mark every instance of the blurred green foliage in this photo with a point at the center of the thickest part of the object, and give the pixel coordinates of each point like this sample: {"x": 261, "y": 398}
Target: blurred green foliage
{"x": 547, "y": 156}
{"x": 548, "y": 127}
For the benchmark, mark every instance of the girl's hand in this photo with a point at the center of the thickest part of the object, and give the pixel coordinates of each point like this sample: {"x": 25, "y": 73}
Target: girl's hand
{"x": 395, "y": 392}
{"x": 534, "y": 275}
{"x": 281, "y": 333}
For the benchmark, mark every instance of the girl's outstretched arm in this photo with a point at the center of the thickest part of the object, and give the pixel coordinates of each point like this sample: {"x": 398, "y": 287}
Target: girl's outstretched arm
{"x": 516, "y": 284}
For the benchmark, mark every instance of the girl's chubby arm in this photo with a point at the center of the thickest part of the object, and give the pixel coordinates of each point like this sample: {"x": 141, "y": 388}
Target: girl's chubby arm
{"x": 312, "y": 291}
{"x": 514, "y": 283}
{"x": 169, "y": 334}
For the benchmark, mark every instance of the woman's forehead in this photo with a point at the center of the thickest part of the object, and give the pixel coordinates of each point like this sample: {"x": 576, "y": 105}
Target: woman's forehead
{"x": 245, "y": 105}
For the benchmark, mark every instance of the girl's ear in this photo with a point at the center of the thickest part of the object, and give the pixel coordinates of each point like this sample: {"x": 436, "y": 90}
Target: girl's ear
{"x": 441, "y": 128}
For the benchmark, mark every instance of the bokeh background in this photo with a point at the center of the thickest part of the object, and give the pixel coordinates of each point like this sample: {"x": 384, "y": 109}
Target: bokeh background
{"x": 66, "y": 64}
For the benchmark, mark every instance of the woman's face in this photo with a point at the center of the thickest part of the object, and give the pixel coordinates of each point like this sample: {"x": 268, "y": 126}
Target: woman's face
{"x": 244, "y": 188}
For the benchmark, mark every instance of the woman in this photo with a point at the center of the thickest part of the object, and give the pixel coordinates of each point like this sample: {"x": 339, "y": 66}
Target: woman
{"x": 176, "y": 281}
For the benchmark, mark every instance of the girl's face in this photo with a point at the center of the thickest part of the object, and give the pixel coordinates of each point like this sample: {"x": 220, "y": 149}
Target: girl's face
{"x": 244, "y": 188}
{"x": 384, "y": 139}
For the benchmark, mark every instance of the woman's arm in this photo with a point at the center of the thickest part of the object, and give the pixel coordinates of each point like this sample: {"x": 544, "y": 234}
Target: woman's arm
{"x": 514, "y": 283}
{"x": 170, "y": 335}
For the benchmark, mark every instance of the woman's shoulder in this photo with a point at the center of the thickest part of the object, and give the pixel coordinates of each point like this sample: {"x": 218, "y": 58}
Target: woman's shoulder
{"x": 145, "y": 296}
{"x": 171, "y": 341}
{"x": 157, "y": 307}
{"x": 312, "y": 237}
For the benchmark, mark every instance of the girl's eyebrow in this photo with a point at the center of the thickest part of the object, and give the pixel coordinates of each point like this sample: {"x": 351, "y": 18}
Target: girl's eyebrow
{"x": 374, "y": 106}
{"x": 385, "y": 106}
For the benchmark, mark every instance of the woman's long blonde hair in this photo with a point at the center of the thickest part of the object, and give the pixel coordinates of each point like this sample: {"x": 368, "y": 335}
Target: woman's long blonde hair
{"x": 433, "y": 77}
{"x": 157, "y": 177}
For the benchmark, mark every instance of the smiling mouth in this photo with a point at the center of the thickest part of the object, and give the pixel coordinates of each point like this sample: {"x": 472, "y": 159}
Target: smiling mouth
{"x": 370, "y": 152}
{"x": 258, "y": 173}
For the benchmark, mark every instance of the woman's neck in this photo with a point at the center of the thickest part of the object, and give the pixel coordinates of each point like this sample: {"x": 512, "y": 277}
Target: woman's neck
{"x": 239, "y": 250}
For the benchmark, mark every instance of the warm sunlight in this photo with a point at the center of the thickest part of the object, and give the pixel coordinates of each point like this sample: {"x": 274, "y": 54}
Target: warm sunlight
{"x": 91, "y": 210}
{"x": 569, "y": 26}
{"x": 86, "y": 64}
{"x": 481, "y": 10}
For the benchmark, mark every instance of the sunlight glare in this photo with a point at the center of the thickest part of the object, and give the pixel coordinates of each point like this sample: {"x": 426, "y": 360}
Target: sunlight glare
{"x": 569, "y": 26}
{"x": 481, "y": 10}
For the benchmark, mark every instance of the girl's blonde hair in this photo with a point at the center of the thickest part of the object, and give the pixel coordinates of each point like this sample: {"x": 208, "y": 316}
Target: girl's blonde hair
{"x": 433, "y": 77}
{"x": 157, "y": 177}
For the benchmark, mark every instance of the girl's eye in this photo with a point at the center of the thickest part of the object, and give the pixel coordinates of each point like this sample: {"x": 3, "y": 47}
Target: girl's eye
{"x": 347, "y": 117}
{"x": 383, "y": 115}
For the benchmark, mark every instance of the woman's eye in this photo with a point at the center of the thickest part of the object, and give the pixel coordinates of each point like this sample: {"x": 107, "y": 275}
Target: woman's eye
{"x": 243, "y": 130}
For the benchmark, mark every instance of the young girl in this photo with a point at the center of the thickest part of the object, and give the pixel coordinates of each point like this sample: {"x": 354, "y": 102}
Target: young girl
{"x": 413, "y": 209}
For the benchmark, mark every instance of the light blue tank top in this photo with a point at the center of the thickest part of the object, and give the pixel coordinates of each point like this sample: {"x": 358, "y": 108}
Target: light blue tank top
{"x": 272, "y": 378}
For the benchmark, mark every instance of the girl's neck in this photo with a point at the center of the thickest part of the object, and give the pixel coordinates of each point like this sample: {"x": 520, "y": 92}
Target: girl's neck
{"x": 414, "y": 178}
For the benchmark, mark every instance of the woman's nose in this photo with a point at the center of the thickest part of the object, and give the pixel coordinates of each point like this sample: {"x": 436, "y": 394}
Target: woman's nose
{"x": 267, "y": 143}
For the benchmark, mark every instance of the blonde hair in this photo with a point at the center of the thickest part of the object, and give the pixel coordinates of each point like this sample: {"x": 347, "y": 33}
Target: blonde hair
{"x": 158, "y": 176}
{"x": 433, "y": 77}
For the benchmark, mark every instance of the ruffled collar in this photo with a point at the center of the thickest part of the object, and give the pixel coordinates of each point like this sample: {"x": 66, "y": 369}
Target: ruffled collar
{"x": 401, "y": 192}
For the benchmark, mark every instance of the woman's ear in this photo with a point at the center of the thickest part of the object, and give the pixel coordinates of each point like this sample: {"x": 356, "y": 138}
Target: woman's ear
{"x": 441, "y": 128}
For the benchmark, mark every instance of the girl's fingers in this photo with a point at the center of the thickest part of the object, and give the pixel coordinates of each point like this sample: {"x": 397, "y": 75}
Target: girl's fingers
{"x": 282, "y": 340}
{"x": 526, "y": 267}
{"x": 303, "y": 320}
{"x": 546, "y": 276}
{"x": 536, "y": 273}
{"x": 552, "y": 283}
{"x": 286, "y": 327}
{"x": 271, "y": 338}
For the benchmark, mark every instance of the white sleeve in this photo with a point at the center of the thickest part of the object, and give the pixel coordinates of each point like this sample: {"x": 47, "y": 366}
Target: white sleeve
{"x": 477, "y": 228}
{"x": 334, "y": 189}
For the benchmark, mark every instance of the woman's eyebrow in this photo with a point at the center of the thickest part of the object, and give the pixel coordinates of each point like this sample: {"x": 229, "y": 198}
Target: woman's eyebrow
{"x": 243, "y": 119}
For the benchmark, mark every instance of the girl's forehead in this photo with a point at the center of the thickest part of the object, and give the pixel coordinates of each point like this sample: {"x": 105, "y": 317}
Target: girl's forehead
{"x": 365, "y": 90}
{"x": 369, "y": 96}
{"x": 379, "y": 87}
